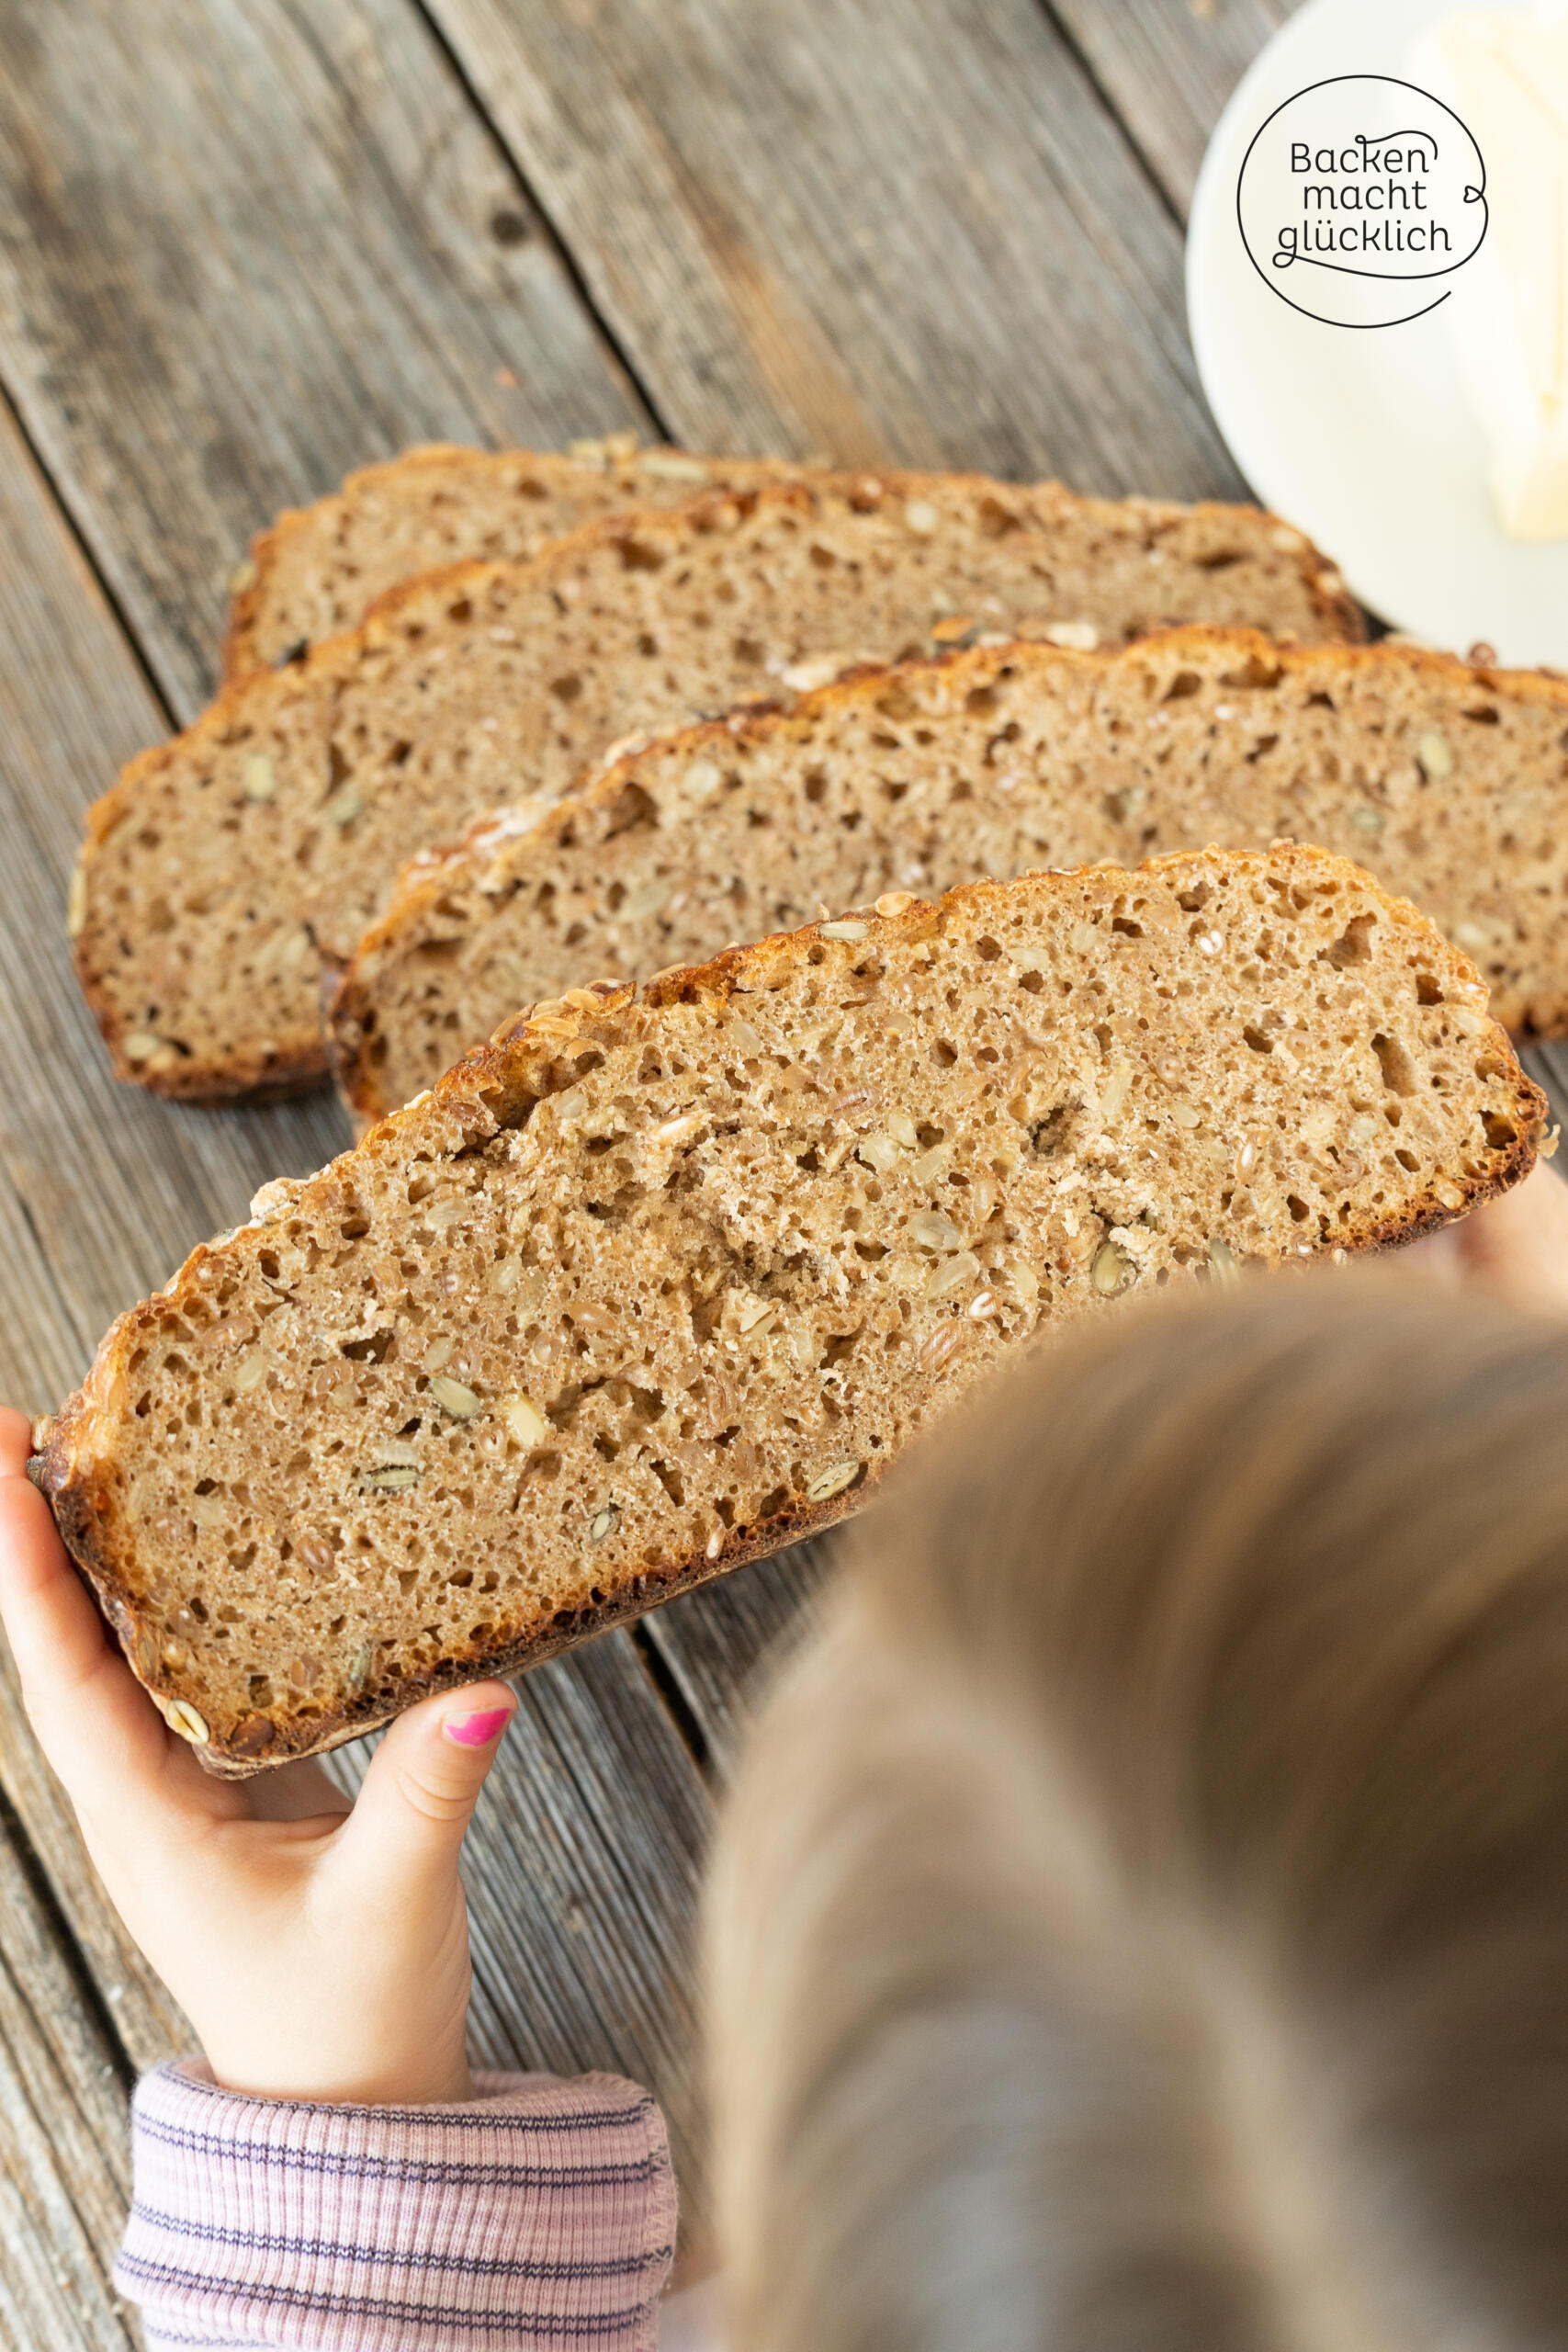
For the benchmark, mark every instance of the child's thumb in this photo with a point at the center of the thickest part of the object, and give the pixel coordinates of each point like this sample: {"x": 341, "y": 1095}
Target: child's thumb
{"x": 422, "y": 1785}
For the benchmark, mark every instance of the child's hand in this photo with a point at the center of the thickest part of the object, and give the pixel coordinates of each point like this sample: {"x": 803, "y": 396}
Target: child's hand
{"x": 320, "y": 1953}
{"x": 1516, "y": 1246}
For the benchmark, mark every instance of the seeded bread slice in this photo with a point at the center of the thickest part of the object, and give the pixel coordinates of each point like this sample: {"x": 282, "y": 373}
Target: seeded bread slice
{"x": 224, "y": 863}
{"x": 1450, "y": 783}
{"x": 320, "y": 568}
{"x": 656, "y": 1283}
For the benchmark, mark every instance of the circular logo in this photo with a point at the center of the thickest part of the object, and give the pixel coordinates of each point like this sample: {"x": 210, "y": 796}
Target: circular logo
{"x": 1358, "y": 199}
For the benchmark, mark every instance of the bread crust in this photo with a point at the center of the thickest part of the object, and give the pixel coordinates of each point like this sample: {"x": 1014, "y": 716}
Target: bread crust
{"x": 76, "y": 1467}
{"x": 347, "y": 998}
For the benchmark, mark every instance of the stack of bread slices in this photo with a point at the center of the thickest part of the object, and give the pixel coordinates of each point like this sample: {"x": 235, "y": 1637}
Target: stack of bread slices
{"x": 906, "y": 913}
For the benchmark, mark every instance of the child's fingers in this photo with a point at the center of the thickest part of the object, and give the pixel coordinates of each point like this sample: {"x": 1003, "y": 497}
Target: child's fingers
{"x": 101, "y": 1733}
{"x": 423, "y": 1781}
{"x": 1518, "y": 1246}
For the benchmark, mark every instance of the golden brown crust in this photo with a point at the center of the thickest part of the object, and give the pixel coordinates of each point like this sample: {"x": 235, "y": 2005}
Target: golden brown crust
{"x": 487, "y": 1091}
{"x": 347, "y": 999}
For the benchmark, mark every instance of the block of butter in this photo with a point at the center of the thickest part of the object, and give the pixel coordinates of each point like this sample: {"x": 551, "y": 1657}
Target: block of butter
{"x": 1505, "y": 74}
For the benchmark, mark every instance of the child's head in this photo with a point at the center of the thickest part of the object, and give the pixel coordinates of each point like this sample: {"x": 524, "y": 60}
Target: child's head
{"x": 1143, "y": 1922}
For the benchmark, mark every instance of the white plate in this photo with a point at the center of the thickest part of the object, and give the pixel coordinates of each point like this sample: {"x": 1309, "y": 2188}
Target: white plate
{"x": 1364, "y": 440}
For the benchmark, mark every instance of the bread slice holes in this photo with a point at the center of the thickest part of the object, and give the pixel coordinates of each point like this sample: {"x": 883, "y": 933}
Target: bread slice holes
{"x": 1354, "y": 945}
{"x": 1257, "y": 1039}
{"x": 1050, "y": 1135}
{"x": 1398, "y": 1070}
{"x": 375, "y": 1349}
{"x": 1426, "y": 989}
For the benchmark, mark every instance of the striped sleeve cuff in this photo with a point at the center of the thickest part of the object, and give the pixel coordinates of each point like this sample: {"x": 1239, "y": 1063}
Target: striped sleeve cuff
{"x": 541, "y": 2214}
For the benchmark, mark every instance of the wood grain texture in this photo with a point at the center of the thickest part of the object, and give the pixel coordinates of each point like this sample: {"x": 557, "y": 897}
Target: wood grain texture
{"x": 720, "y": 1646}
{"x": 254, "y": 244}
{"x": 871, "y": 228}
{"x": 1166, "y": 67}
{"x": 64, "y": 2158}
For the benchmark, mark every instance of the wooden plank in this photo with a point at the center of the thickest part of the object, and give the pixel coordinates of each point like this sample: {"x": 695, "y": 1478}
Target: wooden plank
{"x": 720, "y": 1645}
{"x": 64, "y": 2157}
{"x": 1167, "y": 67}
{"x": 905, "y": 228}
{"x": 582, "y": 1867}
{"x": 252, "y": 244}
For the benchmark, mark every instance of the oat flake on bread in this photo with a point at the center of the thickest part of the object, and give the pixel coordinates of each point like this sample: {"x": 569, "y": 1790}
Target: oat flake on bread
{"x": 657, "y": 1282}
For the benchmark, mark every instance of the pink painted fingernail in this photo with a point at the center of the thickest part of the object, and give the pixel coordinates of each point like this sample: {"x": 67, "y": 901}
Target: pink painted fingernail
{"x": 478, "y": 1729}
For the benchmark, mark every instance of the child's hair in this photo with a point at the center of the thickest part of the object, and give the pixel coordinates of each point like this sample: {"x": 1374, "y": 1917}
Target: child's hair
{"x": 1142, "y": 1924}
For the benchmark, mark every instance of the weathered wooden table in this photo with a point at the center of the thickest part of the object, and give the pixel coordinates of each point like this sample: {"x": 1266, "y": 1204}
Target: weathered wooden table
{"x": 247, "y": 244}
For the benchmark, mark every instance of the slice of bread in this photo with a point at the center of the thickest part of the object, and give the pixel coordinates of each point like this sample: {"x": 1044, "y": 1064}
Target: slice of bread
{"x": 320, "y": 568}
{"x": 223, "y": 866}
{"x": 656, "y": 1283}
{"x": 1448, "y": 781}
